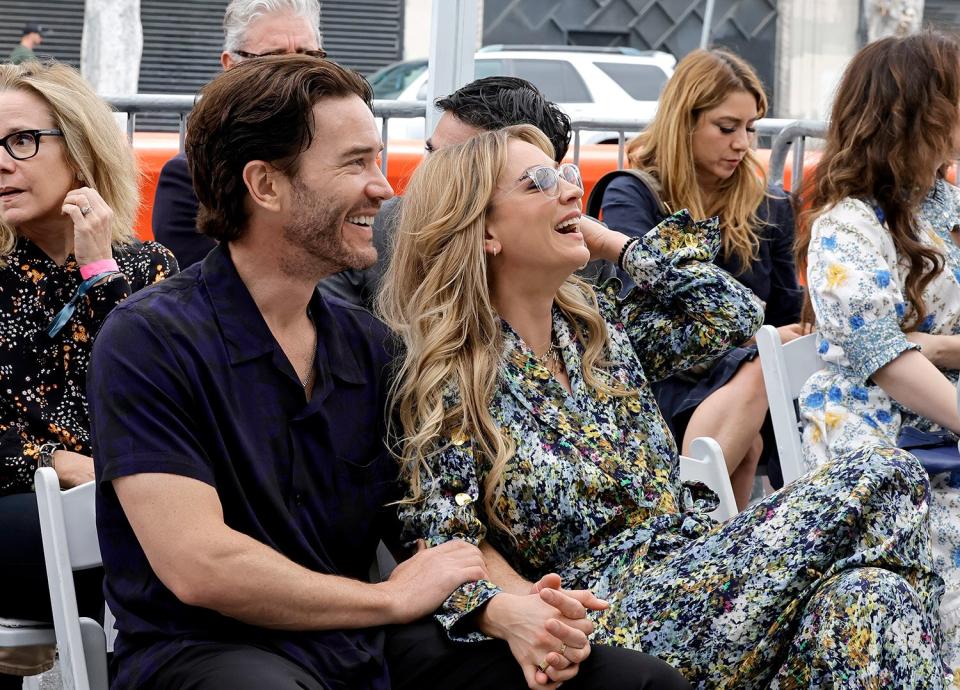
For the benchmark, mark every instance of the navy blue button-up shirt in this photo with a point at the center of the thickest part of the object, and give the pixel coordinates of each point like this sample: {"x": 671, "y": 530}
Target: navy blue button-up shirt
{"x": 187, "y": 379}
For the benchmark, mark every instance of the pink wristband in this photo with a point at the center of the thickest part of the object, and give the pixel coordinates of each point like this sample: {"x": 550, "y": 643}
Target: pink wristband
{"x": 97, "y": 267}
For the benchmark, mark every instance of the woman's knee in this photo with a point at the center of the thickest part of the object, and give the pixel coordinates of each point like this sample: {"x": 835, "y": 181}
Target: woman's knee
{"x": 887, "y": 463}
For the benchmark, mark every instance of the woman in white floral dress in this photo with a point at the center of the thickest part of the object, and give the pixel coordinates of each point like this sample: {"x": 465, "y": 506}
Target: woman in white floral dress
{"x": 883, "y": 272}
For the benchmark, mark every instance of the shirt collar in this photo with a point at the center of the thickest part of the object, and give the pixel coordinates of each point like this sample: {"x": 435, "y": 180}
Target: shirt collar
{"x": 246, "y": 332}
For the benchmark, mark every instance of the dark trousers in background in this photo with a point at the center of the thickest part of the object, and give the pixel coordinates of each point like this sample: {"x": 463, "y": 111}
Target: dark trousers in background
{"x": 23, "y": 575}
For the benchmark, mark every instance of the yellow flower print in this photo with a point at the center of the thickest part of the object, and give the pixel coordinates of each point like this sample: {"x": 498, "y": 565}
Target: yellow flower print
{"x": 836, "y": 276}
{"x": 832, "y": 419}
{"x": 458, "y": 438}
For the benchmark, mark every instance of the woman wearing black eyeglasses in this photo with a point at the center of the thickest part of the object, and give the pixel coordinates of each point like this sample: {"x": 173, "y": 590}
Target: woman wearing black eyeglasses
{"x": 528, "y": 427}
{"x": 68, "y": 197}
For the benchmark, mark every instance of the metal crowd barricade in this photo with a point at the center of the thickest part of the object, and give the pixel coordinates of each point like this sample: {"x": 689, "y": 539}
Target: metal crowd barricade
{"x": 785, "y": 133}
{"x": 181, "y": 105}
{"x": 794, "y": 135}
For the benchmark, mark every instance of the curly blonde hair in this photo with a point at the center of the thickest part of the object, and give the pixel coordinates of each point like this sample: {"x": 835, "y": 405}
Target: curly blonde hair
{"x": 96, "y": 149}
{"x": 436, "y": 298}
{"x": 702, "y": 81}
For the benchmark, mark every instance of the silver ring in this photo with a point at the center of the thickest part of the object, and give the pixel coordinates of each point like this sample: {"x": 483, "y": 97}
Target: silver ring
{"x": 85, "y": 210}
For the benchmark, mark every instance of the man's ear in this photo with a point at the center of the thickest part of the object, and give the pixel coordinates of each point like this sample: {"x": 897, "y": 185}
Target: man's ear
{"x": 264, "y": 185}
{"x": 226, "y": 60}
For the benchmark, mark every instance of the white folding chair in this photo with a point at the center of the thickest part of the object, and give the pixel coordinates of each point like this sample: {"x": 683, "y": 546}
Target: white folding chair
{"x": 708, "y": 466}
{"x": 69, "y": 531}
{"x": 15, "y": 632}
{"x": 785, "y": 369}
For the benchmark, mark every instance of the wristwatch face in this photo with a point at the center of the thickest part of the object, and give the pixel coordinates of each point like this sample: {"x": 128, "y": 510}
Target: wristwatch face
{"x": 46, "y": 454}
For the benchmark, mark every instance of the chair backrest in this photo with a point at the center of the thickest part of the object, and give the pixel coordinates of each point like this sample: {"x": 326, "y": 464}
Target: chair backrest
{"x": 708, "y": 466}
{"x": 785, "y": 369}
{"x": 69, "y": 532}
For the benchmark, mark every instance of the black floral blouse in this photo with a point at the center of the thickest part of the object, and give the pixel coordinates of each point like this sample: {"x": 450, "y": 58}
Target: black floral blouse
{"x": 42, "y": 379}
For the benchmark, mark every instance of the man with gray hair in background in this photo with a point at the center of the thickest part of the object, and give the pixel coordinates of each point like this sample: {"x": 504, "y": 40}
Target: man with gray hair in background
{"x": 251, "y": 29}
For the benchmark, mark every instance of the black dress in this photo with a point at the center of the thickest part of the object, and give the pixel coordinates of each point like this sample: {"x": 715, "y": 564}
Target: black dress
{"x": 43, "y": 398}
{"x": 630, "y": 207}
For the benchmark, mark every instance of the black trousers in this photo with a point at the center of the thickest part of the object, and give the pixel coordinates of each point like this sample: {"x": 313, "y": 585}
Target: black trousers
{"x": 23, "y": 575}
{"x": 421, "y": 657}
{"x": 231, "y": 667}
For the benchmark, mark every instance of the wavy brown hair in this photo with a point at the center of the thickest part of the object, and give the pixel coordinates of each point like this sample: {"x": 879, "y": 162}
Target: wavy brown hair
{"x": 436, "y": 298}
{"x": 702, "y": 81}
{"x": 890, "y": 135}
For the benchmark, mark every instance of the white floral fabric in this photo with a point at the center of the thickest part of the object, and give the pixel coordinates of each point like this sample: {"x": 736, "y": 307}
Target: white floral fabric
{"x": 856, "y": 283}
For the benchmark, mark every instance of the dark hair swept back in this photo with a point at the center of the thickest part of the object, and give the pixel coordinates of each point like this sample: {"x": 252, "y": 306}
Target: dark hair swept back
{"x": 497, "y": 102}
{"x": 262, "y": 109}
{"x": 890, "y": 134}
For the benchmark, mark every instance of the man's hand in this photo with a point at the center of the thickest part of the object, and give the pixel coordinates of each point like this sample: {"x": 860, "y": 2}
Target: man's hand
{"x": 72, "y": 469}
{"x": 420, "y": 584}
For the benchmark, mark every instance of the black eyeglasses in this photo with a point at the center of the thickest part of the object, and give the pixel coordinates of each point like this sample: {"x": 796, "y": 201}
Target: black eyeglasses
{"x": 312, "y": 53}
{"x": 25, "y": 144}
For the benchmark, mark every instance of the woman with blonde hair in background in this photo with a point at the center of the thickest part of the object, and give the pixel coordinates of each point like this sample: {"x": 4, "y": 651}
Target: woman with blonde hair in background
{"x": 883, "y": 270}
{"x": 696, "y": 154}
{"x": 527, "y": 426}
{"x": 68, "y": 198}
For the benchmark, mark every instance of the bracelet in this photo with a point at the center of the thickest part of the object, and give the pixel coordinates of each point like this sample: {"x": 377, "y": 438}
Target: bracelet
{"x": 623, "y": 251}
{"x": 96, "y": 267}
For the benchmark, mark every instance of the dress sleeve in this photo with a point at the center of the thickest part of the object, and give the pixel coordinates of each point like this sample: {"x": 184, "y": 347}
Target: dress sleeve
{"x": 629, "y": 207}
{"x": 448, "y": 511}
{"x": 18, "y": 459}
{"x": 786, "y": 295}
{"x": 854, "y": 290}
{"x": 149, "y": 264}
{"x": 684, "y": 308}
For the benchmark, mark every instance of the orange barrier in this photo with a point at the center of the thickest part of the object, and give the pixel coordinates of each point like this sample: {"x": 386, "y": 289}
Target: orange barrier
{"x": 153, "y": 150}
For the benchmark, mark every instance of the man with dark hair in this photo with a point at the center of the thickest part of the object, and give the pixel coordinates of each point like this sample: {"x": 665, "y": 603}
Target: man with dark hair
{"x": 251, "y": 29}
{"x": 238, "y": 416}
{"x": 482, "y": 105}
{"x": 31, "y": 36}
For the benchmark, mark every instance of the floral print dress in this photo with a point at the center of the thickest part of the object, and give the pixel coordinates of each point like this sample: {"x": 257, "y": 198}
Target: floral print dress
{"x": 857, "y": 287}
{"x": 825, "y": 584}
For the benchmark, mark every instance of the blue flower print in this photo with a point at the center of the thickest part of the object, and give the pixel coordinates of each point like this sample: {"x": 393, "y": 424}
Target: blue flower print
{"x": 927, "y": 323}
{"x": 835, "y": 394}
{"x": 869, "y": 420}
{"x": 815, "y": 400}
{"x": 882, "y": 278}
{"x": 901, "y": 309}
{"x": 956, "y": 275}
{"x": 824, "y": 346}
{"x": 860, "y": 393}
{"x": 829, "y": 242}
{"x": 856, "y": 322}
{"x": 884, "y": 416}
{"x": 956, "y": 557}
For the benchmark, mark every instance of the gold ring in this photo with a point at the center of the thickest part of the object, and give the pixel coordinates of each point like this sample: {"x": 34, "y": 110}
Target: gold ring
{"x": 563, "y": 648}
{"x": 543, "y": 666}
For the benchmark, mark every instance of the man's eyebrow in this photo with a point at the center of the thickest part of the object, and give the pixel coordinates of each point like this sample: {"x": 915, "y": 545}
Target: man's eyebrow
{"x": 362, "y": 151}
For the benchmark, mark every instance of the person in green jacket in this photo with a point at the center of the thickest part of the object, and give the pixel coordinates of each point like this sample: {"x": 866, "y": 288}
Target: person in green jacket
{"x": 32, "y": 37}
